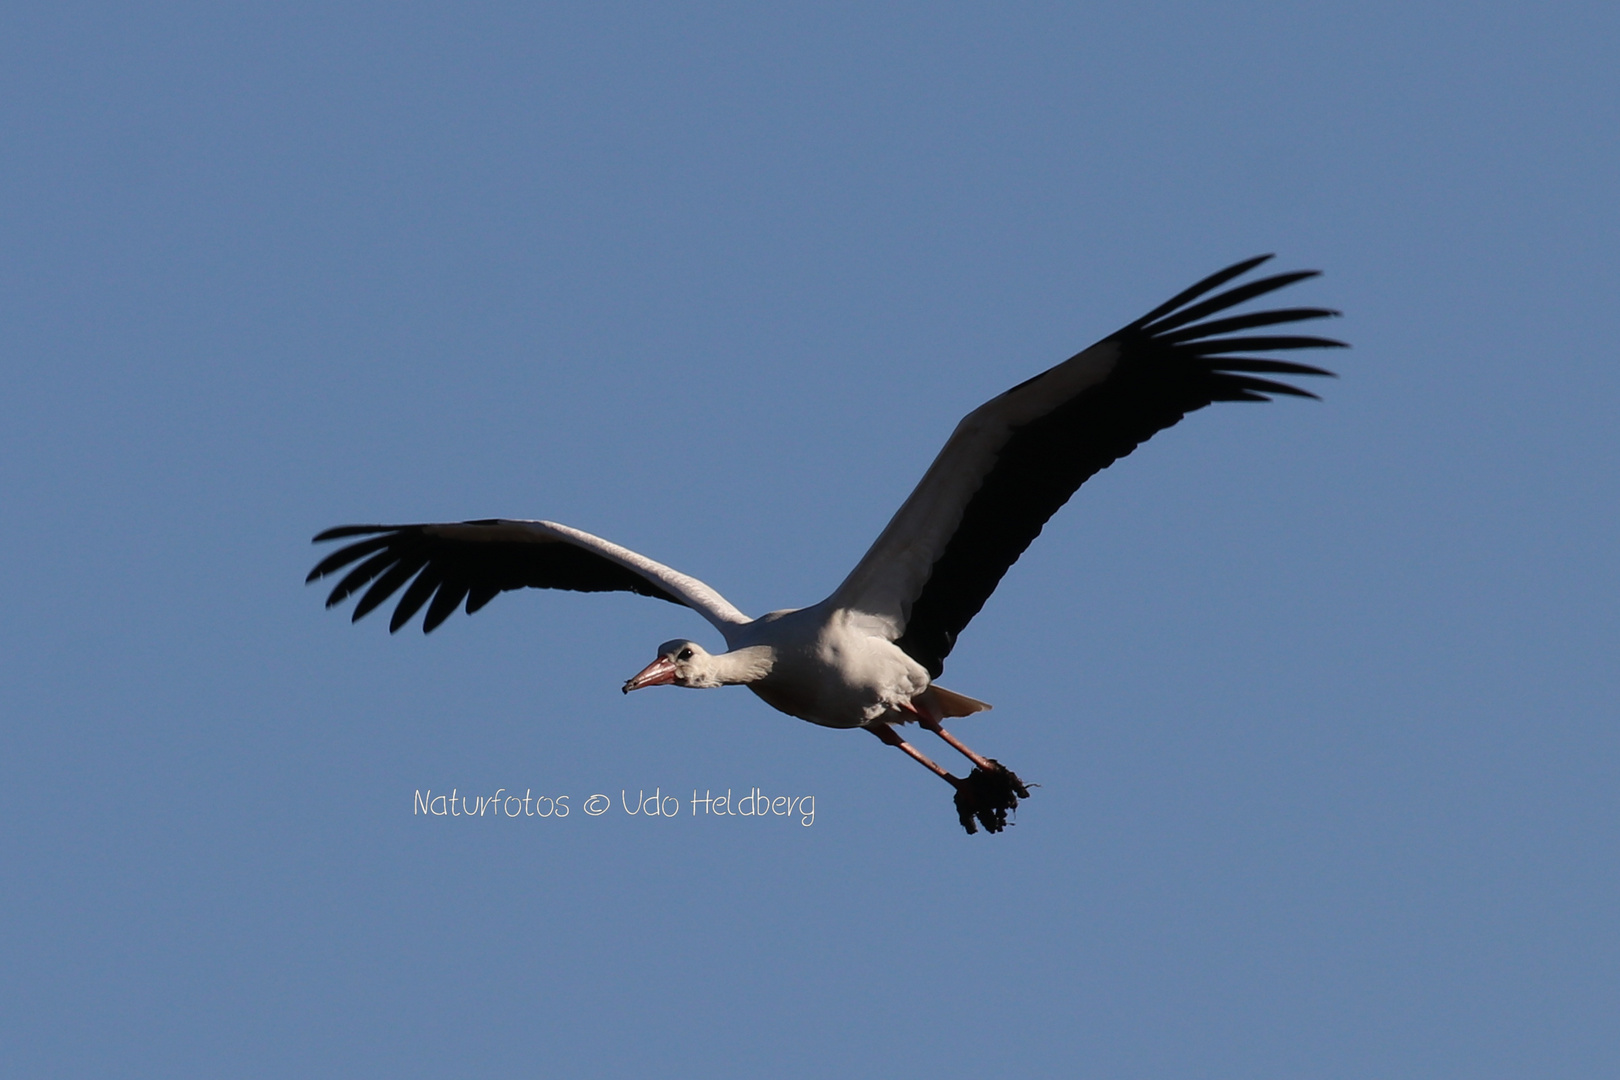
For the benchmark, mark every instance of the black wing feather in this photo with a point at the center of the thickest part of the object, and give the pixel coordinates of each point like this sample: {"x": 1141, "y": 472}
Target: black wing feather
{"x": 1268, "y": 343}
{"x": 473, "y": 561}
{"x": 344, "y": 556}
{"x": 420, "y": 591}
{"x": 480, "y": 595}
{"x": 1229, "y": 298}
{"x": 1214, "y": 281}
{"x": 444, "y": 605}
{"x": 1234, "y": 323}
{"x": 1169, "y": 365}
{"x": 357, "y": 578}
{"x": 384, "y": 586}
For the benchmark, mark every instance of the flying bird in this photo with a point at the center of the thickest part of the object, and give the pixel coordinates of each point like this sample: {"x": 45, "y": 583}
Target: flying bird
{"x": 867, "y": 656}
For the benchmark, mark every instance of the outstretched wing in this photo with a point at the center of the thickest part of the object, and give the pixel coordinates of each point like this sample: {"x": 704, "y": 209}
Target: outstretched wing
{"x": 475, "y": 560}
{"x": 1015, "y": 460}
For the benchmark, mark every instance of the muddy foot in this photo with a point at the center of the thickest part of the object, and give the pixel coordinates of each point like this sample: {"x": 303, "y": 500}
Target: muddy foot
{"x": 987, "y": 795}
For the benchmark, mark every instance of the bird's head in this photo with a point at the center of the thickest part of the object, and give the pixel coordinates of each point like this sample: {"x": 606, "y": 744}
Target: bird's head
{"x": 679, "y": 663}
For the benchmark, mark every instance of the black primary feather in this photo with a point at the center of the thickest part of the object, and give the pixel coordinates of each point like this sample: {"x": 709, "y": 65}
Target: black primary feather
{"x": 1170, "y": 364}
{"x": 472, "y": 561}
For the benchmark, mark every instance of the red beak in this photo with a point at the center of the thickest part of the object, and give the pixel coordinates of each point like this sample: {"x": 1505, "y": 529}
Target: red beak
{"x": 661, "y": 672}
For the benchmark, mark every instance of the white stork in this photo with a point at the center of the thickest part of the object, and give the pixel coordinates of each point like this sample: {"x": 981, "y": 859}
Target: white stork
{"x": 868, "y": 655}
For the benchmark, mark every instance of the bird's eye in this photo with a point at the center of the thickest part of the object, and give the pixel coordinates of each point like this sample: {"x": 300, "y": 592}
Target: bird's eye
{"x": 684, "y": 654}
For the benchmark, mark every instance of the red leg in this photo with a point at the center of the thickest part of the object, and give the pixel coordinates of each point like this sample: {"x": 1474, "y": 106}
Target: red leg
{"x": 925, "y": 716}
{"x": 892, "y": 738}
{"x": 962, "y": 748}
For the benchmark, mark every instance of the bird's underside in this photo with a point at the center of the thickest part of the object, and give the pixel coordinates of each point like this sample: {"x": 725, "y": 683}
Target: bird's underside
{"x": 868, "y": 654}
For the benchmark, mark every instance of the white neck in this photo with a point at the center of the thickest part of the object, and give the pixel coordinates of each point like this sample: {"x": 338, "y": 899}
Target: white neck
{"x": 740, "y": 666}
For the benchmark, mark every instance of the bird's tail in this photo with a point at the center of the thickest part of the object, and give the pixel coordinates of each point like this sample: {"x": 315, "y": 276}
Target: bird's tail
{"x": 950, "y": 703}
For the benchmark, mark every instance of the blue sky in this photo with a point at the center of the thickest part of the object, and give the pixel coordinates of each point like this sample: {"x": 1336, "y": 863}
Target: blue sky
{"x": 1321, "y": 696}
